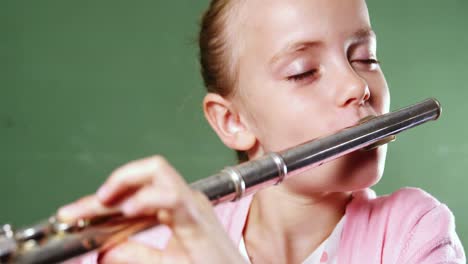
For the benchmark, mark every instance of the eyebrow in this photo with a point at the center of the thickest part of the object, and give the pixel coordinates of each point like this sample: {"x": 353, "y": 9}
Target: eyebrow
{"x": 364, "y": 33}
{"x": 359, "y": 35}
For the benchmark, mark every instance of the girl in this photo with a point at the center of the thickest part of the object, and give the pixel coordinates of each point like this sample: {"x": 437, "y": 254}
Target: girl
{"x": 278, "y": 73}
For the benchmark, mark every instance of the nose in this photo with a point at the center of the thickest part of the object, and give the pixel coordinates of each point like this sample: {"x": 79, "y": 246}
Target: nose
{"x": 352, "y": 89}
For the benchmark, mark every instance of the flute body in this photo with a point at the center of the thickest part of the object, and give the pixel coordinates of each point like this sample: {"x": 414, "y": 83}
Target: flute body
{"x": 55, "y": 241}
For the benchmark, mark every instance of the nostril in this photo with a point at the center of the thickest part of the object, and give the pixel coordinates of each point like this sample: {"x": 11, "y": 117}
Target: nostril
{"x": 366, "y": 97}
{"x": 349, "y": 101}
{"x": 367, "y": 94}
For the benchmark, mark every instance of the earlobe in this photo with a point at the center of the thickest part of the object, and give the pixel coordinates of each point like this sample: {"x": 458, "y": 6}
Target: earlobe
{"x": 227, "y": 123}
{"x": 245, "y": 140}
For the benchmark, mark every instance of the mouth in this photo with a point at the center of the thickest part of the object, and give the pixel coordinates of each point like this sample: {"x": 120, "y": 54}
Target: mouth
{"x": 366, "y": 117}
{"x": 379, "y": 143}
{"x": 357, "y": 116}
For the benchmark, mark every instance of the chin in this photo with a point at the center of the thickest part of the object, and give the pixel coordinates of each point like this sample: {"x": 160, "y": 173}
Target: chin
{"x": 364, "y": 169}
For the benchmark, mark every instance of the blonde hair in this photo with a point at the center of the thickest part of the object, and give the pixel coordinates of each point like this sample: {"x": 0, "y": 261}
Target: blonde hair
{"x": 217, "y": 55}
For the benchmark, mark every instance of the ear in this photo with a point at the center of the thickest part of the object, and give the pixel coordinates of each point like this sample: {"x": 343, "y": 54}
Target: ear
{"x": 227, "y": 123}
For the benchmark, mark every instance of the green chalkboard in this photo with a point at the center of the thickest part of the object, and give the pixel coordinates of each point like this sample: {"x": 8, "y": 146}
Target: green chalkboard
{"x": 86, "y": 86}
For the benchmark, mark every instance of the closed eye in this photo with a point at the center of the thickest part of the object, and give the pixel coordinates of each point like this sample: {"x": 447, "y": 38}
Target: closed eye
{"x": 302, "y": 76}
{"x": 370, "y": 61}
{"x": 366, "y": 64}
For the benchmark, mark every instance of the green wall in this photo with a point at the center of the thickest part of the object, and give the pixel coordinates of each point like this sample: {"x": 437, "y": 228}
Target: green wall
{"x": 87, "y": 85}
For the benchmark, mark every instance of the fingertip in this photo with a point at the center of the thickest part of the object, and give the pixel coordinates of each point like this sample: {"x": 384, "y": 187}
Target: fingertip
{"x": 86, "y": 207}
{"x": 103, "y": 194}
{"x": 68, "y": 213}
{"x": 129, "y": 209}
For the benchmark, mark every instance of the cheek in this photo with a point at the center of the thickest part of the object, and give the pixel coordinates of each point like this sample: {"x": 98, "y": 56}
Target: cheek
{"x": 286, "y": 119}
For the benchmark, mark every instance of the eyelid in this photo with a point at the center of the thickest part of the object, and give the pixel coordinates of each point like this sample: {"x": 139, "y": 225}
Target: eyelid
{"x": 303, "y": 76}
{"x": 366, "y": 64}
{"x": 362, "y": 50}
{"x": 296, "y": 67}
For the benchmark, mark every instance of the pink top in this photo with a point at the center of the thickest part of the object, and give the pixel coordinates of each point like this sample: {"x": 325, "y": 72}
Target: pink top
{"x": 408, "y": 226}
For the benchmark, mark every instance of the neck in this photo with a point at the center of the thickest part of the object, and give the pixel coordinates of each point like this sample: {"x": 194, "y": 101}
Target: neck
{"x": 293, "y": 221}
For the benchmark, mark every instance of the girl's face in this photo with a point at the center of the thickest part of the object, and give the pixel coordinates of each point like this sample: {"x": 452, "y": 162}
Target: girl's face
{"x": 308, "y": 68}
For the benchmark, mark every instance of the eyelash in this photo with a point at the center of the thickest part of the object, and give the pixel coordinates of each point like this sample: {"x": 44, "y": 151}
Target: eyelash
{"x": 369, "y": 61}
{"x": 302, "y": 76}
{"x": 311, "y": 73}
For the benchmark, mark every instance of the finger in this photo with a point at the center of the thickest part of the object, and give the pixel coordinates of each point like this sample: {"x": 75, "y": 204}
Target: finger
{"x": 124, "y": 180}
{"x": 134, "y": 176}
{"x": 192, "y": 218}
{"x": 84, "y": 208}
{"x": 203, "y": 202}
{"x": 134, "y": 252}
{"x": 150, "y": 199}
{"x": 182, "y": 211}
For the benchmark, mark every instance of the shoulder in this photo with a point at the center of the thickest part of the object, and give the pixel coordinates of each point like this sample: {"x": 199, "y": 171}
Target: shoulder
{"x": 409, "y": 221}
{"x": 404, "y": 208}
{"x": 408, "y": 198}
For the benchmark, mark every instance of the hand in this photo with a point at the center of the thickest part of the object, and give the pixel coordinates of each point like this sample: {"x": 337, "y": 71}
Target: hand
{"x": 152, "y": 187}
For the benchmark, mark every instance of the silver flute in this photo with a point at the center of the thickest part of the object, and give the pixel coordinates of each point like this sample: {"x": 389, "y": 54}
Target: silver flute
{"x": 54, "y": 241}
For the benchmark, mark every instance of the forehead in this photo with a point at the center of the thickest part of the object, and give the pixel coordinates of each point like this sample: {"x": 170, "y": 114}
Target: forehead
{"x": 279, "y": 22}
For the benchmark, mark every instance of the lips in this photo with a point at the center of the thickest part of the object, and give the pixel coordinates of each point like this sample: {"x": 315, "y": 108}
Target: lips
{"x": 349, "y": 118}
